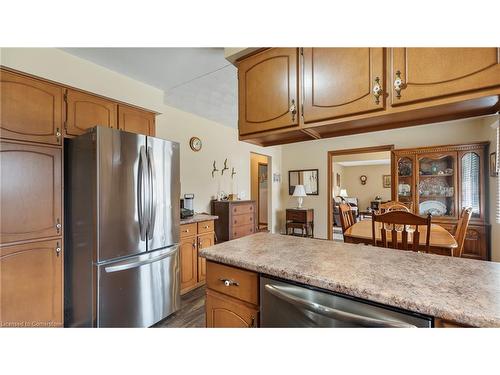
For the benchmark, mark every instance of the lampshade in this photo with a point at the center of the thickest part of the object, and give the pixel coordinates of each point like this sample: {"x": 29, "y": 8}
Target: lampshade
{"x": 343, "y": 193}
{"x": 299, "y": 191}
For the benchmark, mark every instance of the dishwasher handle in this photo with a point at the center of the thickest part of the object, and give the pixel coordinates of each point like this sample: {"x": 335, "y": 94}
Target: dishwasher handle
{"x": 336, "y": 314}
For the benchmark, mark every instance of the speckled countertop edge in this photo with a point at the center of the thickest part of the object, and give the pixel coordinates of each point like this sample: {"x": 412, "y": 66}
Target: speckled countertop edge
{"x": 198, "y": 218}
{"x": 461, "y": 290}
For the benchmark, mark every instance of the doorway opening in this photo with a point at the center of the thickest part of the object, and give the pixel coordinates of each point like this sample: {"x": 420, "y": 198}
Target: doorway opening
{"x": 360, "y": 178}
{"x": 260, "y": 168}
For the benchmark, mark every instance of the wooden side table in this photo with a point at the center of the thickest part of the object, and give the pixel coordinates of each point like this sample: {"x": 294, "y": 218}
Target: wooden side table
{"x": 300, "y": 218}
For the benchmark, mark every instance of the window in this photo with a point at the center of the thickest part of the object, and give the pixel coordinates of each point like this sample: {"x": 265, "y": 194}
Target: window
{"x": 470, "y": 182}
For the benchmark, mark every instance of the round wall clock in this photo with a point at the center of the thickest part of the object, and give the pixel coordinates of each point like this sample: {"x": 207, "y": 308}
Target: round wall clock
{"x": 363, "y": 179}
{"x": 195, "y": 144}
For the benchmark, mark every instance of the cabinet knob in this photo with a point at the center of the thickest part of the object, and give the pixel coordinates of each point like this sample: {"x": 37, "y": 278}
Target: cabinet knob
{"x": 377, "y": 90}
{"x": 58, "y": 226}
{"x": 58, "y": 249}
{"x": 293, "y": 109}
{"x": 398, "y": 84}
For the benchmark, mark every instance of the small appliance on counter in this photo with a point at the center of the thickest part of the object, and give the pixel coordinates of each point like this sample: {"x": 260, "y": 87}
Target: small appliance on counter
{"x": 187, "y": 206}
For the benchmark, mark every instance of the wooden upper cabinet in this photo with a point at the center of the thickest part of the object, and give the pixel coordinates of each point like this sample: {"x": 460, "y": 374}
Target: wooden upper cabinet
{"x": 341, "y": 81}
{"x": 84, "y": 111}
{"x": 30, "y": 109}
{"x": 268, "y": 91}
{"x": 31, "y": 279}
{"x": 136, "y": 120}
{"x": 429, "y": 73}
{"x": 31, "y": 193}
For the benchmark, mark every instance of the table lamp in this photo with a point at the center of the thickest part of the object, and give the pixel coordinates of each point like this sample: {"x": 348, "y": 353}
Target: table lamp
{"x": 343, "y": 194}
{"x": 299, "y": 192}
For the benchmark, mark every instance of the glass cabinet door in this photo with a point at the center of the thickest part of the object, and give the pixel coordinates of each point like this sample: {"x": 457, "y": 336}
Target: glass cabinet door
{"x": 405, "y": 181}
{"x": 437, "y": 185}
{"x": 470, "y": 185}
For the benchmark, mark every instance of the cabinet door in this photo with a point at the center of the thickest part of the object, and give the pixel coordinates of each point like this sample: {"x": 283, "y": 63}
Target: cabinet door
{"x": 226, "y": 312}
{"x": 471, "y": 185}
{"x": 428, "y": 73}
{"x": 475, "y": 245}
{"x": 136, "y": 121}
{"x": 204, "y": 241}
{"x": 189, "y": 264}
{"x": 341, "y": 82}
{"x": 85, "y": 111}
{"x": 32, "y": 284}
{"x": 268, "y": 93}
{"x": 31, "y": 193}
{"x": 405, "y": 180}
{"x": 30, "y": 109}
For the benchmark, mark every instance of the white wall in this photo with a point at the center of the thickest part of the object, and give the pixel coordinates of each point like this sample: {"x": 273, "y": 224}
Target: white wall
{"x": 373, "y": 187}
{"x": 219, "y": 142}
{"x": 490, "y": 134}
{"x": 313, "y": 154}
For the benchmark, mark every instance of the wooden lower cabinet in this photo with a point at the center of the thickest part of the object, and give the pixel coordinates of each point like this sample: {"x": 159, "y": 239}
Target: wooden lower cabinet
{"x": 232, "y": 297}
{"x": 441, "y": 323}
{"x": 188, "y": 255}
{"x": 226, "y": 312}
{"x": 194, "y": 237}
{"x": 31, "y": 290}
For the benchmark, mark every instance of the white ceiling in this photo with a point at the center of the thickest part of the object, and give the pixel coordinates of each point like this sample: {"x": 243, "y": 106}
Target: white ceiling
{"x": 196, "y": 80}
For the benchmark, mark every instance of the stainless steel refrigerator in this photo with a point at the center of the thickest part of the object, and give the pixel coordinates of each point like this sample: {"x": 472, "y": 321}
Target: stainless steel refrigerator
{"x": 122, "y": 229}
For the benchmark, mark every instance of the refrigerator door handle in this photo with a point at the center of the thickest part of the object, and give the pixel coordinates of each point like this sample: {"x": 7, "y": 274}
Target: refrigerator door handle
{"x": 152, "y": 193}
{"x": 122, "y": 266}
{"x": 142, "y": 192}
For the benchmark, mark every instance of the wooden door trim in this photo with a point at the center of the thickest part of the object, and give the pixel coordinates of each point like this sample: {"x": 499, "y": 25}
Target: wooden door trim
{"x": 330, "y": 155}
{"x": 258, "y": 193}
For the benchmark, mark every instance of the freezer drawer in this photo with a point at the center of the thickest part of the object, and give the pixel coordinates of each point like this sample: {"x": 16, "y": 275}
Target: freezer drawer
{"x": 290, "y": 305}
{"x": 139, "y": 291}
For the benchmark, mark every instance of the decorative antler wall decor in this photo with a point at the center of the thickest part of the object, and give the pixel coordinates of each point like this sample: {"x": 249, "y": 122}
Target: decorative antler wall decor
{"x": 214, "y": 169}
{"x": 233, "y": 172}
{"x": 225, "y": 167}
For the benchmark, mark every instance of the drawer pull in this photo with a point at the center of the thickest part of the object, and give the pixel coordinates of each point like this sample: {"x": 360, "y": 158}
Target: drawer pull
{"x": 206, "y": 227}
{"x": 229, "y": 282}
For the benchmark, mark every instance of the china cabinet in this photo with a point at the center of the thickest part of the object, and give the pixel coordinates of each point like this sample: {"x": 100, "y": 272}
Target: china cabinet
{"x": 441, "y": 181}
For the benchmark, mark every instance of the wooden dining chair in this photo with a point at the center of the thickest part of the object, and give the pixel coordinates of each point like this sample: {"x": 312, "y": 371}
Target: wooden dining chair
{"x": 392, "y": 206}
{"x": 402, "y": 222}
{"x": 346, "y": 217}
{"x": 461, "y": 231}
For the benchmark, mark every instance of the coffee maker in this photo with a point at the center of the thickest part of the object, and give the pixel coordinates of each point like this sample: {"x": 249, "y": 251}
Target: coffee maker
{"x": 187, "y": 206}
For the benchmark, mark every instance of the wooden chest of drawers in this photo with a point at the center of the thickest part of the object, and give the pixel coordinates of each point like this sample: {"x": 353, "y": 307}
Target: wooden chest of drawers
{"x": 236, "y": 219}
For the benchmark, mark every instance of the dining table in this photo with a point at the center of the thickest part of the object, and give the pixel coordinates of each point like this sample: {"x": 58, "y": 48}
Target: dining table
{"x": 441, "y": 241}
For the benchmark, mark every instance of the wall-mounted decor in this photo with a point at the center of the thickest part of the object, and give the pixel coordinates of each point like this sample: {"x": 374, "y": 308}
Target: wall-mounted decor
{"x": 363, "y": 179}
{"x": 386, "y": 180}
{"x": 225, "y": 167}
{"x": 214, "y": 169}
{"x": 493, "y": 165}
{"x": 338, "y": 180}
{"x": 233, "y": 172}
{"x": 306, "y": 177}
{"x": 195, "y": 144}
{"x": 276, "y": 177}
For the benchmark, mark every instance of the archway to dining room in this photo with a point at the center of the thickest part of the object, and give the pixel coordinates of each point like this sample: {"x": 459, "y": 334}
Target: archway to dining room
{"x": 361, "y": 178}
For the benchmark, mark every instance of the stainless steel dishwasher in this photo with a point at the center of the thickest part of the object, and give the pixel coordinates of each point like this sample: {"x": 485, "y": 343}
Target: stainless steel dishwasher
{"x": 285, "y": 304}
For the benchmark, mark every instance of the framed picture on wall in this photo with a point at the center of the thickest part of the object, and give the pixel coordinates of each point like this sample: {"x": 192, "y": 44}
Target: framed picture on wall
{"x": 493, "y": 165}
{"x": 386, "y": 180}
{"x": 338, "y": 179}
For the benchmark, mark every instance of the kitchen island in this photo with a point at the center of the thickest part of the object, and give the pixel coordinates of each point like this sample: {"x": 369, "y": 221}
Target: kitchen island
{"x": 463, "y": 292}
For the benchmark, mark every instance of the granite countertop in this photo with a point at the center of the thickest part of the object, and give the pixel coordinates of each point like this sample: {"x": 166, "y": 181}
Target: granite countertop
{"x": 461, "y": 290}
{"x": 196, "y": 218}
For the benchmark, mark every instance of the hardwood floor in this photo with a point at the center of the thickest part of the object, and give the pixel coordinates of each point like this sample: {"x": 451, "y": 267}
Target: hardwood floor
{"x": 191, "y": 313}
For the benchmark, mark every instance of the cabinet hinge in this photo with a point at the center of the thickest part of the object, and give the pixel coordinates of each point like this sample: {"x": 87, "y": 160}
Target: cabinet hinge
{"x": 302, "y": 51}
{"x": 65, "y": 97}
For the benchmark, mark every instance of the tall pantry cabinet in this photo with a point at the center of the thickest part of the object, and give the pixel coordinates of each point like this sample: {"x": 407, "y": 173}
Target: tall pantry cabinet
{"x": 35, "y": 116}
